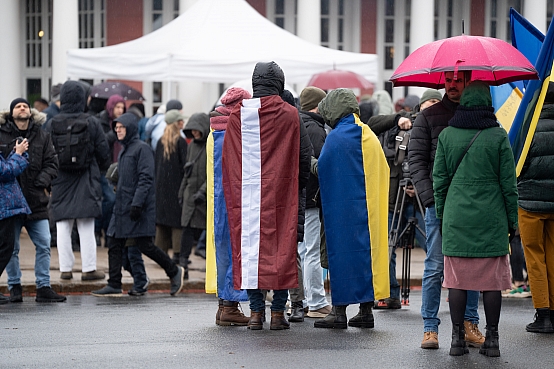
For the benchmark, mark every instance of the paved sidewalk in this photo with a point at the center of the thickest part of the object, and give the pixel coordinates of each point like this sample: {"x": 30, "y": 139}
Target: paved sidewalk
{"x": 158, "y": 280}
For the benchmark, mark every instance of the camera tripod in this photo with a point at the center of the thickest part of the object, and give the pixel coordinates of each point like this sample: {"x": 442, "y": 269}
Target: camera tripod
{"x": 402, "y": 236}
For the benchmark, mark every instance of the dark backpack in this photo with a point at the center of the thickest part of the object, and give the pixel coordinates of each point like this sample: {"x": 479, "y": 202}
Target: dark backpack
{"x": 71, "y": 140}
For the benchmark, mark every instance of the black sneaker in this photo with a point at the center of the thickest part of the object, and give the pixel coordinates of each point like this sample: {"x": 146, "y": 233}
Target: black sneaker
{"x": 177, "y": 281}
{"x": 108, "y": 291}
{"x": 47, "y": 294}
{"x": 136, "y": 293}
{"x": 16, "y": 293}
{"x": 4, "y": 299}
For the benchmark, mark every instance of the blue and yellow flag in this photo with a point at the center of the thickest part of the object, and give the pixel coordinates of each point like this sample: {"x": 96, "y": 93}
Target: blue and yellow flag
{"x": 506, "y": 99}
{"x": 354, "y": 187}
{"x": 219, "y": 263}
{"x": 525, "y": 122}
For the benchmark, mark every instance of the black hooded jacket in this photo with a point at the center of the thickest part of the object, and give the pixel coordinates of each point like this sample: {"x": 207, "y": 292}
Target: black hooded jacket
{"x": 135, "y": 186}
{"x": 43, "y": 162}
{"x": 79, "y": 194}
{"x": 423, "y": 145}
{"x": 268, "y": 79}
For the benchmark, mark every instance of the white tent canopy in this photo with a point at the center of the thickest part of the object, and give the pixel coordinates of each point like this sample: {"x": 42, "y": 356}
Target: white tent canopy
{"x": 214, "y": 41}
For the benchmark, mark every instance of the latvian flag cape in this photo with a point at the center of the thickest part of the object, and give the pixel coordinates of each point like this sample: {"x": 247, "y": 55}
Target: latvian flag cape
{"x": 354, "y": 186}
{"x": 260, "y": 181}
{"x": 219, "y": 263}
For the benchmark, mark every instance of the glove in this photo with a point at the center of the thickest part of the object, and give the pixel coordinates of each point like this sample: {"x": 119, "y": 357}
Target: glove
{"x": 198, "y": 198}
{"x": 511, "y": 234}
{"x": 135, "y": 213}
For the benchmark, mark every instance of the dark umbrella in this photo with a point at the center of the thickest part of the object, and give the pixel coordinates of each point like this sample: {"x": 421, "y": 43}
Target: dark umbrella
{"x": 107, "y": 89}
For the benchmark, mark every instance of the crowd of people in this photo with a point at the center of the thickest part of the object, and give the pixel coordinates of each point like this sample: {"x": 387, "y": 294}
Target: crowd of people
{"x": 273, "y": 190}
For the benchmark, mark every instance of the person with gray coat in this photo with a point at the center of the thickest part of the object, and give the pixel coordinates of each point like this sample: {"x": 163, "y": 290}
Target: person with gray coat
{"x": 192, "y": 193}
{"x": 134, "y": 212}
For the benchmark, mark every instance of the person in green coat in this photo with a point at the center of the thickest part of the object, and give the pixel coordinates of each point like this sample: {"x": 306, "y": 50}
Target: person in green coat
{"x": 478, "y": 207}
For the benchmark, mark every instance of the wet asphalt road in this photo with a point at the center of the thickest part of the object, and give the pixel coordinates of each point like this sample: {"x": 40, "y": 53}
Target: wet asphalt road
{"x": 160, "y": 331}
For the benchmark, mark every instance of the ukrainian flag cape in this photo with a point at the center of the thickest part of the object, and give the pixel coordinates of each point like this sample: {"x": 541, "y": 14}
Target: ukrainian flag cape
{"x": 219, "y": 263}
{"x": 354, "y": 185}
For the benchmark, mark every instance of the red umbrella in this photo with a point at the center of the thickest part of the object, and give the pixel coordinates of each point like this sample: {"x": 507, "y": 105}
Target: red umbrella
{"x": 334, "y": 78}
{"x": 492, "y": 60}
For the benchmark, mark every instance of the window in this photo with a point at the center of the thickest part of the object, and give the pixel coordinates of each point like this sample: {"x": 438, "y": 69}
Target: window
{"x": 91, "y": 23}
{"x": 389, "y": 35}
{"x": 500, "y": 18}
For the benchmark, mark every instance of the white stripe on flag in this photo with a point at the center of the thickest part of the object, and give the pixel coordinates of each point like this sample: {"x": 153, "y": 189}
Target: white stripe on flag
{"x": 250, "y": 195}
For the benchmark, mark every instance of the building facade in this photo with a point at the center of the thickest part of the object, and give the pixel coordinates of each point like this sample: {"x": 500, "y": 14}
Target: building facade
{"x": 43, "y": 30}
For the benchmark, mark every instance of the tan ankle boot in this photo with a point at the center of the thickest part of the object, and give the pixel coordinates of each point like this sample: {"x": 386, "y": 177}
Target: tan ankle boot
{"x": 255, "y": 323}
{"x": 231, "y": 315}
{"x": 278, "y": 321}
{"x": 473, "y": 337}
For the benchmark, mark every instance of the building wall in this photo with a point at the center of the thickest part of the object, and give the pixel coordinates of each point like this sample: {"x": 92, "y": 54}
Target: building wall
{"x": 118, "y": 13}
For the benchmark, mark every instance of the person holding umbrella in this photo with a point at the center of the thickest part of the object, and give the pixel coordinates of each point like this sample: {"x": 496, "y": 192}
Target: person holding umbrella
{"x": 423, "y": 142}
{"x": 474, "y": 166}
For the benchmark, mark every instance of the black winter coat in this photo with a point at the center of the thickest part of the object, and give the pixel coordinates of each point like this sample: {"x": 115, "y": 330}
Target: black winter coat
{"x": 43, "y": 161}
{"x": 79, "y": 194}
{"x": 536, "y": 182}
{"x": 315, "y": 126}
{"x": 306, "y": 152}
{"x": 169, "y": 174}
{"x": 135, "y": 186}
{"x": 423, "y": 145}
{"x": 107, "y": 127}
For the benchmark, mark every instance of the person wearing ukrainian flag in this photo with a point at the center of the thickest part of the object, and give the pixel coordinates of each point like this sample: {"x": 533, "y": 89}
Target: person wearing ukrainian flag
{"x": 354, "y": 185}
{"x": 219, "y": 261}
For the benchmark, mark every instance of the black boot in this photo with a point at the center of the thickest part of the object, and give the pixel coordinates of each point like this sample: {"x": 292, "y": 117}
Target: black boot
{"x": 490, "y": 347}
{"x": 542, "y": 323}
{"x": 458, "y": 346}
{"x": 552, "y": 317}
{"x": 335, "y": 319}
{"x": 364, "y": 318}
{"x": 297, "y": 312}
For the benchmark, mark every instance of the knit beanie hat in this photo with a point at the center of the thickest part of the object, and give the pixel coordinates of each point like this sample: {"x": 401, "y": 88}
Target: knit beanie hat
{"x": 310, "y": 97}
{"x": 173, "y": 116}
{"x": 17, "y": 101}
{"x": 410, "y": 101}
{"x": 477, "y": 93}
{"x": 173, "y": 104}
{"x": 430, "y": 94}
{"x": 55, "y": 92}
{"x": 233, "y": 96}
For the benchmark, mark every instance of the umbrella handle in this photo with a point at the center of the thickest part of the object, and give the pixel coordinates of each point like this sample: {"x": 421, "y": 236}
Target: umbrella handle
{"x": 456, "y": 68}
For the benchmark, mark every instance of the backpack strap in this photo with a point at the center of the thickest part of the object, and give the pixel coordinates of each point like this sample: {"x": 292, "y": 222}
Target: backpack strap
{"x": 401, "y": 146}
{"x": 464, "y": 153}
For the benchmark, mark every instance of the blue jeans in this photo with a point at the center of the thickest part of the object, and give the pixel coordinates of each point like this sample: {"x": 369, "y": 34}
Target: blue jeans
{"x": 257, "y": 302}
{"x": 39, "y": 232}
{"x": 309, "y": 251}
{"x": 433, "y": 275}
{"x": 420, "y": 237}
{"x": 133, "y": 263}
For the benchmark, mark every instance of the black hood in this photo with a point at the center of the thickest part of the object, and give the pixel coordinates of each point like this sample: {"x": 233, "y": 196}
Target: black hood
{"x": 73, "y": 98}
{"x": 268, "y": 79}
{"x": 130, "y": 122}
{"x": 199, "y": 122}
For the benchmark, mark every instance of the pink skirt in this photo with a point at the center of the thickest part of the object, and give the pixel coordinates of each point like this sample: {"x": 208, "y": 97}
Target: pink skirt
{"x": 477, "y": 274}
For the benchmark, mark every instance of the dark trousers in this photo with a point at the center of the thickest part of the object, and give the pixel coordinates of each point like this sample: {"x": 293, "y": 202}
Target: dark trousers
{"x": 517, "y": 260}
{"x": 7, "y": 240}
{"x": 133, "y": 263}
{"x": 187, "y": 241}
{"x": 146, "y": 246}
